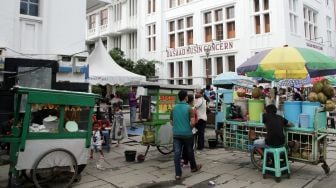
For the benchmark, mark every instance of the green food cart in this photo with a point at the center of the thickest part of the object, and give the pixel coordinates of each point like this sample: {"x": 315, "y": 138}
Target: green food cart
{"x": 155, "y": 107}
{"x": 50, "y": 137}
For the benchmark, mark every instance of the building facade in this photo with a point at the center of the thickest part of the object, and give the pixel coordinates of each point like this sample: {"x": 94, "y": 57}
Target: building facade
{"x": 195, "y": 40}
{"x": 42, "y": 44}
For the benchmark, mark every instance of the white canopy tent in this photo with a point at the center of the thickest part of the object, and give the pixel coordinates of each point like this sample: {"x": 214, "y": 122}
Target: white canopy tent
{"x": 103, "y": 70}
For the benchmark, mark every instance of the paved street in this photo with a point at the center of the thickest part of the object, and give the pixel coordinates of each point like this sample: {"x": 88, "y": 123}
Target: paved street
{"x": 223, "y": 167}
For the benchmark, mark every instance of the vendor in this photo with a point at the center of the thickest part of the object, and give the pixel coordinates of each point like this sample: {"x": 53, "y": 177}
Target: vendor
{"x": 274, "y": 127}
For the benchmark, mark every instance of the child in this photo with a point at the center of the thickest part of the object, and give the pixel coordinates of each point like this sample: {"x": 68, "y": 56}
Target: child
{"x": 96, "y": 140}
{"x": 118, "y": 129}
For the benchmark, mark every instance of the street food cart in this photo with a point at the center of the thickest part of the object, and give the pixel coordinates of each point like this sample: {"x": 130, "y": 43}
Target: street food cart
{"x": 305, "y": 144}
{"x": 50, "y": 137}
{"x": 226, "y": 84}
{"x": 154, "y": 113}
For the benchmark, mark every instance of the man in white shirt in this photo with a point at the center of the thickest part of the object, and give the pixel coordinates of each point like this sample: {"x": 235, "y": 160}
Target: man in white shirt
{"x": 200, "y": 105}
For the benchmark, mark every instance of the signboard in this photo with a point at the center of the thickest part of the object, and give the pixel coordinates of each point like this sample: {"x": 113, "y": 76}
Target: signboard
{"x": 166, "y": 103}
{"x": 198, "y": 49}
{"x": 316, "y": 46}
{"x": 145, "y": 107}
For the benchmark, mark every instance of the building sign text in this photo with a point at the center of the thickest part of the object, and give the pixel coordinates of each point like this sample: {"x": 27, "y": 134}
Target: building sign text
{"x": 196, "y": 49}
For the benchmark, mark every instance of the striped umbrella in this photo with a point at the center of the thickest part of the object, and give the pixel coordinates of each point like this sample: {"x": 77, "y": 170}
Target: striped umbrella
{"x": 288, "y": 63}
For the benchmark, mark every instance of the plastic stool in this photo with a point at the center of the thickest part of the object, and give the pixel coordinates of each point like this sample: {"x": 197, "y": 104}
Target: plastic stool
{"x": 277, "y": 168}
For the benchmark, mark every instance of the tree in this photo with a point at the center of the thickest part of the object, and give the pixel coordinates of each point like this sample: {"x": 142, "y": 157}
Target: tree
{"x": 143, "y": 67}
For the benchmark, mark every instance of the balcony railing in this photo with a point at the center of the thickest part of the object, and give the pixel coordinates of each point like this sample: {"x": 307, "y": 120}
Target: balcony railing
{"x": 91, "y": 32}
{"x": 103, "y": 29}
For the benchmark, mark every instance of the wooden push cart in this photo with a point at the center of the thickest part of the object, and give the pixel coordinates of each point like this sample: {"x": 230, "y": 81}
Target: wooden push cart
{"x": 50, "y": 137}
{"x": 155, "y": 107}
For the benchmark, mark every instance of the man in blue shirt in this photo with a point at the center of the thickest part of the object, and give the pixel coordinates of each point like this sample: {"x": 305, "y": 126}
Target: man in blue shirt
{"x": 183, "y": 120}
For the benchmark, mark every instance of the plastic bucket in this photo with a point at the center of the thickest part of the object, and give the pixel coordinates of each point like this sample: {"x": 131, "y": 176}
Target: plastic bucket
{"x": 292, "y": 111}
{"x": 212, "y": 143}
{"x": 255, "y": 108}
{"x": 130, "y": 155}
{"x": 228, "y": 96}
{"x": 310, "y": 108}
{"x": 243, "y": 106}
{"x": 304, "y": 120}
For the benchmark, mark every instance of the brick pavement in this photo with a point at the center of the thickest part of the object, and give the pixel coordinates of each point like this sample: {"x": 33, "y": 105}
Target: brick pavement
{"x": 225, "y": 168}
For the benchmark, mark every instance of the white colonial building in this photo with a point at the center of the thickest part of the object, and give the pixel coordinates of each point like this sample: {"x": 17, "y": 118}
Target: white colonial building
{"x": 197, "y": 39}
{"x": 41, "y": 45}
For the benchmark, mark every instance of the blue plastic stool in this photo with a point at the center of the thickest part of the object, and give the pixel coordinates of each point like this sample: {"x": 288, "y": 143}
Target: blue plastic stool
{"x": 277, "y": 168}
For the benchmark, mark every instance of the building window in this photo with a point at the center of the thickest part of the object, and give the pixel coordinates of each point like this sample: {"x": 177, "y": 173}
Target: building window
{"x": 190, "y": 22}
{"x": 151, "y": 6}
{"x": 230, "y": 13}
{"x": 218, "y": 15}
{"x": 181, "y": 39}
{"x": 190, "y": 82}
{"x": 261, "y": 17}
{"x": 29, "y": 7}
{"x": 219, "y": 63}
{"x": 231, "y": 63}
{"x": 223, "y": 25}
{"x": 266, "y": 5}
{"x": 171, "y": 26}
{"x": 207, "y": 17}
{"x": 117, "y": 9}
{"x": 151, "y": 37}
{"x": 310, "y": 23}
{"x": 189, "y": 65}
{"x": 184, "y": 32}
{"x": 132, "y": 40}
{"x": 257, "y": 24}
{"x": 190, "y": 37}
{"x": 329, "y": 31}
{"x": 103, "y": 17}
{"x": 219, "y": 32}
{"x": 293, "y": 15}
{"x": 92, "y": 21}
{"x": 267, "y": 23}
{"x": 117, "y": 42}
{"x": 180, "y": 24}
{"x": 171, "y": 70}
{"x": 208, "y": 34}
{"x": 172, "y": 3}
{"x": 172, "y": 40}
{"x": 256, "y": 6}
{"x": 180, "y": 69}
{"x": 133, "y": 7}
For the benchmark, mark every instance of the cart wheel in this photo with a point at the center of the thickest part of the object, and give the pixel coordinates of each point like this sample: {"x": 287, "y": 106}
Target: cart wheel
{"x": 55, "y": 168}
{"x": 256, "y": 159}
{"x": 326, "y": 168}
{"x": 165, "y": 150}
{"x": 27, "y": 174}
{"x": 277, "y": 179}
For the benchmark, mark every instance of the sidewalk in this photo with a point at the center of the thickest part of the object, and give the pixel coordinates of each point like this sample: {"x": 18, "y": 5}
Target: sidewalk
{"x": 223, "y": 167}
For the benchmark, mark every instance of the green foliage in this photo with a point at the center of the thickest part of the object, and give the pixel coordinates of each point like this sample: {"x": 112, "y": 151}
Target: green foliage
{"x": 123, "y": 92}
{"x": 143, "y": 67}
